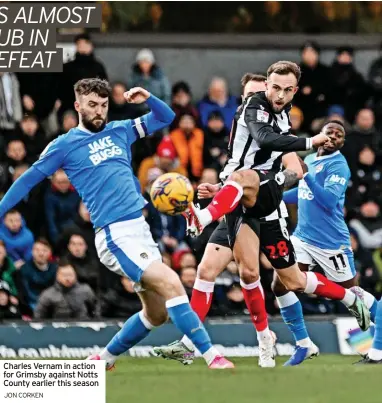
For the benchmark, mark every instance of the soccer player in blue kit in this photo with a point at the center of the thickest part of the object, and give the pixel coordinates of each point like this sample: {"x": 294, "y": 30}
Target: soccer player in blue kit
{"x": 96, "y": 156}
{"x": 321, "y": 236}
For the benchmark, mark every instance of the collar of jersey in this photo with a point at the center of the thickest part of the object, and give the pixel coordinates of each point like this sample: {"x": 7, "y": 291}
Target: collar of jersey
{"x": 324, "y": 157}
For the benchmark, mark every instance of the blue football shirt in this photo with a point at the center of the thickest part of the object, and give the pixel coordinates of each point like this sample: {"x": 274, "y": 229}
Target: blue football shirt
{"x": 318, "y": 224}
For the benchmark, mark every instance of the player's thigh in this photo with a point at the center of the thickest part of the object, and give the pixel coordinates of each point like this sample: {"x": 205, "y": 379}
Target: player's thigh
{"x": 292, "y": 278}
{"x": 276, "y": 244}
{"x": 154, "y": 307}
{"x": 217, "y": 254}
{"x": 338, "y": 265}
{"x": 163, "y": 280}
{"x": 246, "y": 253}
{"x": 303, "y": 255}
{"x": 127, "y": 248}
{"x": 250, "y": 182}
{"x": 278, "y": 286}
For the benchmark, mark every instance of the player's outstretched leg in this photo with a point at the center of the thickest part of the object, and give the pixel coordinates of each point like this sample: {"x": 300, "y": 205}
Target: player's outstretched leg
{"x": 215, "y": 259}
{"x": 368, "y": 299}
{"x": 291, "y": 312}
{"x": 246, "y": 254}
{"x": 166, "y": 283}
{"x": 374, "y": 355}
{"x": 316, "y": 283}
{"x": 241, "y": 186}
{"x": 135, "y": 328}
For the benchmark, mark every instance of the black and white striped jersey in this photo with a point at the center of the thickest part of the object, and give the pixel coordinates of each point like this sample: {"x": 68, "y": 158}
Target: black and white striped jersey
{"x": 259, "y": 137}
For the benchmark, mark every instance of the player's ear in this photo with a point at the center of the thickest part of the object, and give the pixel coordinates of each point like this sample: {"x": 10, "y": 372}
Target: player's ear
{"x": 295, "y": 90}
{"x": 77, "y": 106}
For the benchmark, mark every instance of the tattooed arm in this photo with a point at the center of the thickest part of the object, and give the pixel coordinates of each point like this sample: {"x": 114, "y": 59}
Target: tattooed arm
{"x": 294, "y": 169}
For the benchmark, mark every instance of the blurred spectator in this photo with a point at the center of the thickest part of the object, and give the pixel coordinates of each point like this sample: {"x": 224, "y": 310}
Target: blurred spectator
{"x": 182, "y": 103}
{"x": 168, "y": 231}
{"x": 40, "y": 92}
{"x": 15, "y": 156}
{"x": 165, "y": 160}
{"x": 296, "y": 119}
{"x": 366, "y": 178}
{"x": 188, "y": 141}
{"x": 364, "y": 265}
{"x": 216, "y": 138}
{"x": 32, "y": 207}
{"x": 38, "y": 273}
{"x": 119, "y": 109}
{"x": 348, "y": 87}
{"x": 147, "y": 74}
{"x": 153, "y": 21}
{"x": 363, "y": 134}
{"x": 84, "y": 65}
{"x": 67, "y": 298}
{"x": 188, "y": 277}
{"x": 368, "y": 225}
{"x": 7, "y": 270}
{"x": 18, "y": 239}
{"x": 375, "y": 81}
{"x": 32, "y": 136}
{"x": 312, "y": 97}
{"x": 218, "y": 99}
{"x": 69, "y": 121}
{"x": 85, "y": 265}
{"x": 8, "y": 310}
{"x": 121, "y": 301}
{"x": 10, "y": 102}
{"x": 81, "y": 225}
{"x": 234, "y": 303}
{"x": 335, "y": 112}
{"x": 61, "y": 203}
{"x": 187, "y": 259}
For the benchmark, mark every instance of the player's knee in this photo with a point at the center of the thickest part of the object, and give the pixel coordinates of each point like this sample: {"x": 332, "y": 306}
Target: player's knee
{"x": 207, "y": 271}
{"x": 157, "y": 317}
{"x": 248, "y": 275}
{"x": 278, "y": 287}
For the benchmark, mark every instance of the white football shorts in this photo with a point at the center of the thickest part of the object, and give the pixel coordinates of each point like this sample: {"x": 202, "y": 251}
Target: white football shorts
{"x": 338, "y": 265}
{"x": 127, "y": 248}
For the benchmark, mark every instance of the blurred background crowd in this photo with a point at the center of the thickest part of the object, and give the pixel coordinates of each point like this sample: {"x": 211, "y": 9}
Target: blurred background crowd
{"x": 51, "y": 224}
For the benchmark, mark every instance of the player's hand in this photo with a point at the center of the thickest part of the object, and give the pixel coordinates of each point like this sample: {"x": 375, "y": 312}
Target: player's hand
{"x": 136, "y": 95}
{"x": 207, "y": 191}
{"x": 320, "y": 139}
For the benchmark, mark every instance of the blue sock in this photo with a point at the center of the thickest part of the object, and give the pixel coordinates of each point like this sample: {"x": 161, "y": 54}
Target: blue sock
{"x": 377, "y": 341}
{"x": 373, "y": 310}
{"x": 188, "y": 322}
{"x": 291, "y": 312}
{"x": 133, "y": 331}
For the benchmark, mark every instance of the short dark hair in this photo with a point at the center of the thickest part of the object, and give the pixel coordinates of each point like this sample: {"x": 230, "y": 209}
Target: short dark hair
{"x": 43, "y": 241}
{"x": 283, "y": 68}
{"x": 83, "y": 36}
{"x": 63, "y": 262}
{"x": 88, "y": 85}
{"x": 247, "y": 77}
{"x": 337, "y": 122}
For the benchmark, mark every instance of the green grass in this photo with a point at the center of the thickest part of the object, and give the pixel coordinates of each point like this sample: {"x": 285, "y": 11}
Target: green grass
{"x": 326, "y": 379}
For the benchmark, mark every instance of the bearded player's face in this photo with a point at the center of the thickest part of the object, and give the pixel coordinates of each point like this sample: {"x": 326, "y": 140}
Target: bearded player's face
{"x": 280, "y": 90}
{"x": 93, "y": 110}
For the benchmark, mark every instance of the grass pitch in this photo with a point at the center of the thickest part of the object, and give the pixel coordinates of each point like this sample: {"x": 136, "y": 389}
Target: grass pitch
{"x": 326, "y": 379}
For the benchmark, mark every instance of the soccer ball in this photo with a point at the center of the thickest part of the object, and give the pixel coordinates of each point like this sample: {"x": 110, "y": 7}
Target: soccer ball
{"x": 171, "y": 193}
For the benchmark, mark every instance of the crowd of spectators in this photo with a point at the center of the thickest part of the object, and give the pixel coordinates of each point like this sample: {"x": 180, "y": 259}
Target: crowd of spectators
{"x": 48, "y": 263}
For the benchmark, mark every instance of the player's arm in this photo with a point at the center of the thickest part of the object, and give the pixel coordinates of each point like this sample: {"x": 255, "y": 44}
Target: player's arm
{"x": 334, "y": 186}
{"x": 258, "y": 120}
{"x": 293, "y": 171}
{"x": 161, "y": 114}
{"x": 50, "y": 160}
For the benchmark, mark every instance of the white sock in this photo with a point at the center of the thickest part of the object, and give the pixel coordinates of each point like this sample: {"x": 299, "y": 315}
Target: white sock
{"x": 210, "y": 355}
{"x": 188, "y": 343}
{"x": 205, "y": 217}
{"x": 375, "y": 354}
{"x": 264, "y": 336}
{"x": 304, "y": 342}
{"x": 349, "y": 298}
{"x": 109, "y": 358}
